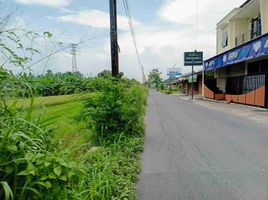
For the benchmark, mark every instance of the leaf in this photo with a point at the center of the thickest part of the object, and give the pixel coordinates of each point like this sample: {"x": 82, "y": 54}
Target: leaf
{"x": 51, "y": 175}
{"x": 29, "y": 156}
{"x": 63, "y": 178}
{"x": 32, "y": 50}
{"x": 26, "y": 173}
{"x": 12, "y": 148}
{"x": 29, "y": 171}
{"x": 7, "y": 190}
{"x": 9, "y": 169}
{"x": 57, "y": 170}
{"x": 20, "y": 46}
{"x": 48, "y": 34}
{"x": 46, "y": 184}
{"x": 47, "y": 164}
{"x": 43, "y": 178}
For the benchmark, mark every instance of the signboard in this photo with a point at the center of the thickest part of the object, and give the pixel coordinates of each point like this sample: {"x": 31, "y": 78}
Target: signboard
{"x": 194, "y": 80}
{"x": 193, "y": 58}
{"x": 174, "y": 72}
{"x": 248, "y": 51}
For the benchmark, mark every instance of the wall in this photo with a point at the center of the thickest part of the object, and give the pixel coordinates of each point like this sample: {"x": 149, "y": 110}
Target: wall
{"x": 264, "y": 15}
{"x": 236, "y": 25}
{"x": 242, "y": 30}
{"x": 220, "y": 32}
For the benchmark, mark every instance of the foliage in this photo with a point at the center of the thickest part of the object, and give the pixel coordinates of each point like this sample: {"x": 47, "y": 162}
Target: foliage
{"x": 114, "y": 169}
{"x": 36, "y": 164}
{"x": 116, "y": 117}
{"x": 108, "y": 74}
{"x": 31, "y": 161}
{"x": 118, "y": 108}
{"x": 154, "y": 79}
{"x": 32, "y": 166}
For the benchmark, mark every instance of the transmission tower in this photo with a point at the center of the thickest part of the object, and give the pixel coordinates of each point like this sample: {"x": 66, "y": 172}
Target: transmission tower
{"x": 74, "y": 53}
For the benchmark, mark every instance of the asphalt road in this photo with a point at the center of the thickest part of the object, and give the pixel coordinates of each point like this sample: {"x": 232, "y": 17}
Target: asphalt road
{"x": 194, "y": 152}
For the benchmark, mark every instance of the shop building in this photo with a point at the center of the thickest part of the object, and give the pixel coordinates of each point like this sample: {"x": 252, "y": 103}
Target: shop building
{"x": 239, "y": 71}
{"x": 187, "y": 80}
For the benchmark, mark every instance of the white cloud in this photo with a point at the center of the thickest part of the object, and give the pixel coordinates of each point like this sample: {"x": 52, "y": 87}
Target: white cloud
{"x": 160, "y": 46}
{"x": 53, "y": 3}
{"x": 96, "y": 19}
{"x": 209, "y": 11}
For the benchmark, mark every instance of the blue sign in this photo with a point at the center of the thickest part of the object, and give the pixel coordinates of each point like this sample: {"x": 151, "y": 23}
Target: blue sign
{"x": 248, "y": 51}
{"x": 174, "y": 72}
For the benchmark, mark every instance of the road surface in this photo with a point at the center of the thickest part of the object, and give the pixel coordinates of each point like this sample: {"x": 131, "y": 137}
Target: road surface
{"x": 197, "y": 153}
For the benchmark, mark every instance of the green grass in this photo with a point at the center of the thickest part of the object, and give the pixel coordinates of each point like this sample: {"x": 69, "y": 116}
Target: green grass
{"x": 111, "y": 170}
{"x": 61, "y": 113}
{"x": 51, "y": 100}
{"x": 174, "y": 90}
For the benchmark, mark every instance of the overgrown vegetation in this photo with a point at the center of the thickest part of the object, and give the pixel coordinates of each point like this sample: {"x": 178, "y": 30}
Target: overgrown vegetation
{"x": 105, "y": 166}
{"x": 84, "y": 146}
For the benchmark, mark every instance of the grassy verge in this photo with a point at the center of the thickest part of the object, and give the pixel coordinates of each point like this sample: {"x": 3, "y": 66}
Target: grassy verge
{"x": 71, "y": 164}
{"x": 173, "y": 90}
{"x": 50, "y": 101}
{"x": 112, "y": 168}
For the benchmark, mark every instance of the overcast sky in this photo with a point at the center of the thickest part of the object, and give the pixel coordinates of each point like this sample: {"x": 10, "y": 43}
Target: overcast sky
{"x": 164, "y": 30}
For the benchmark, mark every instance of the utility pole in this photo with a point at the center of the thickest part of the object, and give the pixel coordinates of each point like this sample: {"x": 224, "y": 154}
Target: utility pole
{"x": 74, "y": 53}
{"x": 192, "y": 85}
{"x": 143, "y": 76}
{"x": 113, "y": 37}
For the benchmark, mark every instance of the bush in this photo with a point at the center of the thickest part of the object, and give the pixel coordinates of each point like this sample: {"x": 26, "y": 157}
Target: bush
{"x": 118, "y": 108}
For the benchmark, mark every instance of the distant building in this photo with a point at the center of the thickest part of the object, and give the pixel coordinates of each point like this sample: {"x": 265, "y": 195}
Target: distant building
{"x": 239, "y": 71}
{"x": 186, "y": 82}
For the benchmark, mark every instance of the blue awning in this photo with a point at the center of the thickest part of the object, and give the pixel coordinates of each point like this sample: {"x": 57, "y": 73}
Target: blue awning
{"x": 253, "y": 49}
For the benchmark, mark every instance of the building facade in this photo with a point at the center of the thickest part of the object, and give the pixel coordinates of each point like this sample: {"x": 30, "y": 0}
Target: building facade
{"x": 239, "y": 71}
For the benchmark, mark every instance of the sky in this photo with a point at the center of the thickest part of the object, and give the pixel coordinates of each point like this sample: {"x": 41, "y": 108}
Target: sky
{"x": 164, "y": 30}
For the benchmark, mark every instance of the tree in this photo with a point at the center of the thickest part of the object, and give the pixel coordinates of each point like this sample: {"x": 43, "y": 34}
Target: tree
{"x": 154, "y": 79}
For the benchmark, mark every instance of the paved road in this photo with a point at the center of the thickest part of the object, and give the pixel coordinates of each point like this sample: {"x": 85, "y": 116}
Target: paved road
{"x": 196, "y": 153}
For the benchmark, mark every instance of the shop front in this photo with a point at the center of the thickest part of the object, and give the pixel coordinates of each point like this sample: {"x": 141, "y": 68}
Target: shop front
{"x": 239, "y": 75}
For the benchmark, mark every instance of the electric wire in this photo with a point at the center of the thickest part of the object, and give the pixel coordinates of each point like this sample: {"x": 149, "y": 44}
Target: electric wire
{"x": 132, "y": 32}
{"x": 62, "y": 49}
{"x": 196, "y": 24}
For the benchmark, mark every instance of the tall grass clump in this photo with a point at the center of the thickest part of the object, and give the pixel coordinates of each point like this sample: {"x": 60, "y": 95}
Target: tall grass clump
{"x": 32, "y": 163}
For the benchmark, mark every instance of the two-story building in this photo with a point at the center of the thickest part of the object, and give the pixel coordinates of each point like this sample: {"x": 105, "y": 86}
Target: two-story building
{"x": 239, "y": 71}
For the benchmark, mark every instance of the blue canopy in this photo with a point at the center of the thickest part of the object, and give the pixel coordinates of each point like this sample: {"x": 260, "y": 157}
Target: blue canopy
{"x": 250, "y": 50}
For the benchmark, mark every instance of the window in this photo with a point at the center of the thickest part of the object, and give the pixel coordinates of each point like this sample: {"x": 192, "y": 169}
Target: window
{"x": 224, "y": 42}
{"x": 256, "y": 27}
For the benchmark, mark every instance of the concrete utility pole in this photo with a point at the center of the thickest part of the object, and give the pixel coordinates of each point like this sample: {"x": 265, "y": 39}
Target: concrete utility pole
{"x": 114, "y": 43}
{"x": 192, "y": 85}
{"x": 74, "y": 53}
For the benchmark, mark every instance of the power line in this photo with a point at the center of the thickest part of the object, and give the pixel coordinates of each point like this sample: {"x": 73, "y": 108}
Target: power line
{"x": 131, "y": 27}
{"x": 62, "y": 49}
{"x": 196, "y": 23}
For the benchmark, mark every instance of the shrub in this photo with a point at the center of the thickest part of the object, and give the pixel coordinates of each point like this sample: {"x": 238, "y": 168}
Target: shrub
{"x": 118, "y": 108}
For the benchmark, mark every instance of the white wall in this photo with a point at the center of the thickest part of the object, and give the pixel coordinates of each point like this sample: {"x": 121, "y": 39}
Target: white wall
{"x": 264, "y": 15}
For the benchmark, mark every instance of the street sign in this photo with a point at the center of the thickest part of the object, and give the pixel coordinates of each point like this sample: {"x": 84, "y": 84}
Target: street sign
{"x": 174, "y": 72}
{"x": 193, "y": 58}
